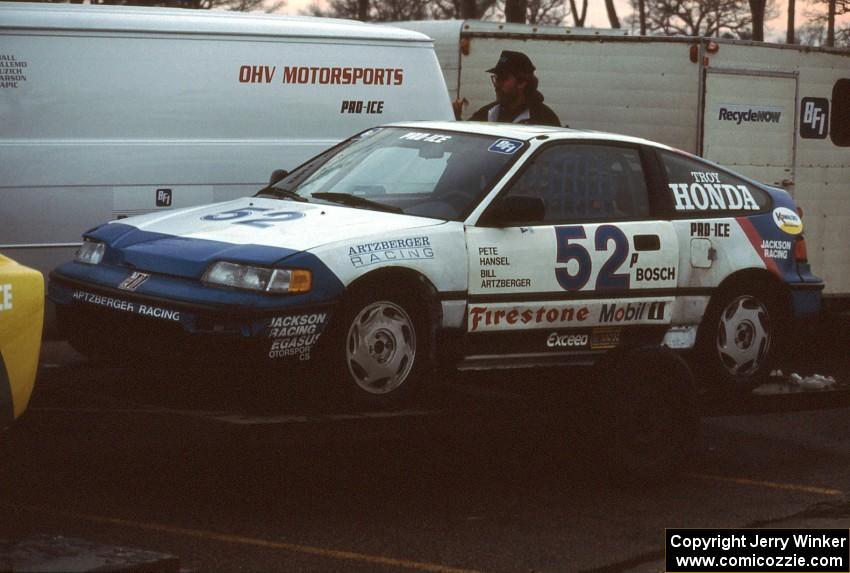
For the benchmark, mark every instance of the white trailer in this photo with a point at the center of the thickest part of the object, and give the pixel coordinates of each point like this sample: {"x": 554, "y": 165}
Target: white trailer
{"x": 778, "y": 113}
{"x": 107, "y": 112}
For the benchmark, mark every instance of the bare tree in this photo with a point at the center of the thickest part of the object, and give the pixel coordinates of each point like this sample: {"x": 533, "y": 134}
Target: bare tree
{"x": 371, "y": 11}
{"x": 757, "y": 8}
{"x": 578, "y": 17}
{"x": 789, "y": 34}
{"x": 697, "y": 17}
{"x": 466, "y": 9}
{"x": 612, "y": 14}
{"x": 234, "y": 5}
{"x": 834, "y": 9}
{"x": 515, "y": 11}
{"x": 542, "y": 12}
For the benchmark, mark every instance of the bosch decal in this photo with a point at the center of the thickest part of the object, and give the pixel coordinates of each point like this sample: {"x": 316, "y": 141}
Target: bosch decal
{"x": 411, "y": 248}
{"x": 655, "y": 274}
{"x": 814, "y": 112}
{"x": 788, "y": 220}
{"x": 5, "y": 297}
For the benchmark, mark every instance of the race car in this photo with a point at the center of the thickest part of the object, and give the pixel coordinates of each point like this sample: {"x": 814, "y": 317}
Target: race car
{"x": 472, "y": 245}
{"x": 21, "y": 318}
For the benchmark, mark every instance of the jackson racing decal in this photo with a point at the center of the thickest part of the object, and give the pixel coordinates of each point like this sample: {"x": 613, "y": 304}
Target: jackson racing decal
{"x": 296, "y": 335}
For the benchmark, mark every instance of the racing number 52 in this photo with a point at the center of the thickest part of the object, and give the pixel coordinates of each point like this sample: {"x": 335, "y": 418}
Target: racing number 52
{"x": 568, "y": 251}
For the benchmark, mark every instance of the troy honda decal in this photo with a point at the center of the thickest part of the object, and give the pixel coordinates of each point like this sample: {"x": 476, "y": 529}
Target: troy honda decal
{"x": 134, "y": 281}
{"x": 712, "y": 196}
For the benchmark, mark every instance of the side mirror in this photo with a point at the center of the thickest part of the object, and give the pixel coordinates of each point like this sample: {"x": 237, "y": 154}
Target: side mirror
{"x": 514, "y": 210}
{"x": 277, "y": 175}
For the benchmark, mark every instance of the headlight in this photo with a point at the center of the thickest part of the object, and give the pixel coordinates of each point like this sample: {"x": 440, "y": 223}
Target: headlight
{"x": 90, "y": 253}
{"x": 287, "y": 281}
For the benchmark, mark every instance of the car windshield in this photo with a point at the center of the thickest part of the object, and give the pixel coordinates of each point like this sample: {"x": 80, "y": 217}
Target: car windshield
{"x": 420, "y": 172}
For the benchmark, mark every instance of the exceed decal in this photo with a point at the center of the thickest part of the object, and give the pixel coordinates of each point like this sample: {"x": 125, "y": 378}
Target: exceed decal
{"x": 126, "y": 306}
{"x": 558, "y": 340}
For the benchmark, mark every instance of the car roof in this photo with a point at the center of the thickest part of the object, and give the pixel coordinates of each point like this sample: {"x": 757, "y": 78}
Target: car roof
{"x": 526, "y": 132}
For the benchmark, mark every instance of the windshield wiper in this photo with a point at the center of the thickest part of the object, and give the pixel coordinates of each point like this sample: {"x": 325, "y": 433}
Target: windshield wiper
{"x": 285, "y": 193}
{"x": 356, "y": 201}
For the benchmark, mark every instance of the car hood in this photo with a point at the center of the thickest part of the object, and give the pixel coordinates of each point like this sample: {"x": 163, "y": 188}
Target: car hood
{"x": 252, "y": 230}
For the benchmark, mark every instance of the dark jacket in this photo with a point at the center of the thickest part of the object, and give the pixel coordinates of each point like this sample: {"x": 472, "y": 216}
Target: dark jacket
{"x": 535, "y": 112}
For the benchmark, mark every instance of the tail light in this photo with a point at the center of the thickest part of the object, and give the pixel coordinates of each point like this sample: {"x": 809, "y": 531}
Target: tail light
{"x": 801, "y": 253}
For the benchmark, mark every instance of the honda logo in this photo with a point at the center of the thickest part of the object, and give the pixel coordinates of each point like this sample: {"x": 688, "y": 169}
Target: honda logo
{"x": 134, "y": 281}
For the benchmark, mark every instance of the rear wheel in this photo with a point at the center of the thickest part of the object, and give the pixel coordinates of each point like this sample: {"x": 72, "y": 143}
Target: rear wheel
{"x": 739, "y": 338}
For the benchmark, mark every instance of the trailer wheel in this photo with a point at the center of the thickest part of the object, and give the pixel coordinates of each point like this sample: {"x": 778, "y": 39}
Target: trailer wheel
{"x": 739, "y": 339}
{"x": 645, "y": 412}
{"x": 383, "y": 348}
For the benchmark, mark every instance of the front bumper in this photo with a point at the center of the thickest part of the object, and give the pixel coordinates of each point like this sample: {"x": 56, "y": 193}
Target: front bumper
{"x": 158, "y": 327}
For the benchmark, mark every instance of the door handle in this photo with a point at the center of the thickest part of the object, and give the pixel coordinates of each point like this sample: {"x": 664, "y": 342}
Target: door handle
{"x": 647, "y": 243}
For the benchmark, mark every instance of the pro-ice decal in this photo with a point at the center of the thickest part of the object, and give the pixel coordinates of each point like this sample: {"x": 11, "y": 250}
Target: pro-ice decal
{"x": 505, "y": 146}
{"x": 814, "y": 112}
{"x": 788, "y": 220}
{"x": 429, "y": 137}
{"x": 263, "y": 219}
{"x": 410, "y": 248}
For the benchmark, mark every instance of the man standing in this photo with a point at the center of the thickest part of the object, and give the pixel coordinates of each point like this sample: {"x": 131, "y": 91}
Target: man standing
{"x": 517, "y": 98}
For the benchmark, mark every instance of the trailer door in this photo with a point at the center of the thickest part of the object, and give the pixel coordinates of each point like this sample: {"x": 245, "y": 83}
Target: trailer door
{"x": 750, "y": 122}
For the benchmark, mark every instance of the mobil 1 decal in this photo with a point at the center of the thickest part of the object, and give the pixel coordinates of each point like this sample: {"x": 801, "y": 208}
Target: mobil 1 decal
{"x": 705, "y": 191}
{"x": 605, "y": 251}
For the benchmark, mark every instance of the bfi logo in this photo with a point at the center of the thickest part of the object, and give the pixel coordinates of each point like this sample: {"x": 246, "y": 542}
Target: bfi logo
{"x": 815, "y": 117}
{"x": 163, "y": 197}
{"x": 505, "y": 146}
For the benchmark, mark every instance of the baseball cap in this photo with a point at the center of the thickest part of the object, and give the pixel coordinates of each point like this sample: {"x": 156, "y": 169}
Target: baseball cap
{"x": 512, "y": 62}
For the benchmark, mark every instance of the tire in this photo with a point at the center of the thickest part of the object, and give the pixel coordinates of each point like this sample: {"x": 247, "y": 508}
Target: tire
{"x": 384, "y": 349}
{"x": 739, "y": 339}
{"x": 644, "y": 414}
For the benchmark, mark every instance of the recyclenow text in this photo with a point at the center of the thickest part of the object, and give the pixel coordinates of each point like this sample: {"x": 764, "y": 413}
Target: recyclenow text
{"x": 758, "y": 550}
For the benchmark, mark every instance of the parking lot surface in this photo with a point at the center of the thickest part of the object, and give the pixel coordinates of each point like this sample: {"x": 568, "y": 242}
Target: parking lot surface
{"x": 229, "y": 475}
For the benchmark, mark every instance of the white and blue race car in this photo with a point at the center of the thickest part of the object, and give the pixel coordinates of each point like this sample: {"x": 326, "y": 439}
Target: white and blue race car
{"x": 479, "y": 245}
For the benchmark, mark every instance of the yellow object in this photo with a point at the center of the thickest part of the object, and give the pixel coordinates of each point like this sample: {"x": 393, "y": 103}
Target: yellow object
{"x": 21, "y": 319}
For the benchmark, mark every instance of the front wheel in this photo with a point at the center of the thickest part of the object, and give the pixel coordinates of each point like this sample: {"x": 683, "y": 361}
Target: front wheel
{"x": 385, "y": 349}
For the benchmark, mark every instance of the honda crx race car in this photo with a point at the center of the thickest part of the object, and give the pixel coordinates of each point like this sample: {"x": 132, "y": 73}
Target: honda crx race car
{"x": 479, "y": 245}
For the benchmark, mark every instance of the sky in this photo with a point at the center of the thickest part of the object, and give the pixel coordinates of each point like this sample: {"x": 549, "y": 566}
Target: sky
{"x": 596, "y": 16}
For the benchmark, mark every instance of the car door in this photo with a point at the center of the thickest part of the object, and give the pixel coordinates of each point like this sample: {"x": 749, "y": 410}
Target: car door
{"x": 591, "y": 268}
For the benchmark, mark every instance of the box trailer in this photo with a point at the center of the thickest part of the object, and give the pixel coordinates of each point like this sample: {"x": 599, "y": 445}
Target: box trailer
{"x": 111, "y": 111}
{"x": 778, "y": 113}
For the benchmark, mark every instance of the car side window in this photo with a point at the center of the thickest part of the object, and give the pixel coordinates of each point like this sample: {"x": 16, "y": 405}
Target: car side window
{"x": 699, "y": 188}
{"x": 586, "y": 182}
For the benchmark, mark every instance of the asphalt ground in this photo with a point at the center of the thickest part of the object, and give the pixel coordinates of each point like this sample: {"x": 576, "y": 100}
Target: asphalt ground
{"x": 197, "y": 464}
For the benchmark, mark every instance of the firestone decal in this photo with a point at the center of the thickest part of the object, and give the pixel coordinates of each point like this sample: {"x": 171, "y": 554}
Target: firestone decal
{"x": 517, "y": 317}
{"x": 788, "y": 220}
